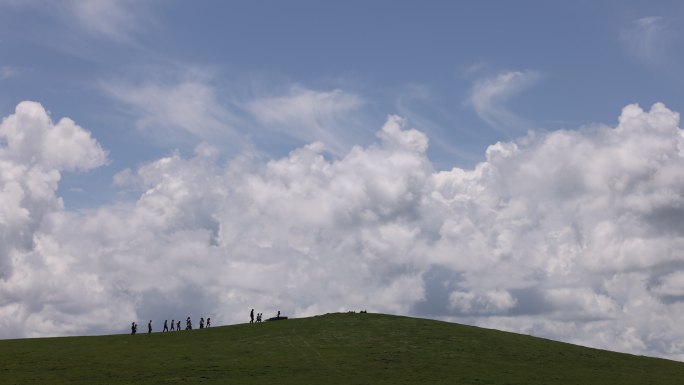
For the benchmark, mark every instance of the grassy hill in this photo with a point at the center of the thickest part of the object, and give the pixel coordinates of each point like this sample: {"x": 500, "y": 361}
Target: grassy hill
{"x": 330, "y": 349}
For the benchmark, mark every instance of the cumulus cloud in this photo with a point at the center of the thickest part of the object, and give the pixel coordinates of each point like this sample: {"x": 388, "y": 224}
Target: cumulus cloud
{"x": 581, "y": 222}
{"x": 485, "y": 302}
{"x": 489, "y": 97}
{"x": 34, "y": 275}
{"x": 230, "y": 241}
{"x": 572, "y": 234}
{"x": 34, "y": 151}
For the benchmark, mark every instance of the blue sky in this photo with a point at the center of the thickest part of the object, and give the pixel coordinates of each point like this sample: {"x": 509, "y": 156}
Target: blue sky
{"x": 581, "y": 63}
{"x": 510, "y": 164}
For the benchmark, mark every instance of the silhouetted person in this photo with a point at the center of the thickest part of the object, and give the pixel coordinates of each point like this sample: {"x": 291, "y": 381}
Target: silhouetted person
{"x": 278, "y": 316}
{"x": 149, "y": 327}
{"x": 251, "y": 316}
{"x": 201, "y": 322}
{"x": 258, "y": 317}
{"x": 208, "y": 322}
{"x": 188, "y": 324}
{"x": 178, "y": 326}
{"x": 134, "y": 328}
{"x": 173, "y": 322}
{"x": 166, "y": 326}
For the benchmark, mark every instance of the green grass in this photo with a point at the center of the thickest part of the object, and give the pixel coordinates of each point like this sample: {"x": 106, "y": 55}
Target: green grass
{"x": 330, "y": 349}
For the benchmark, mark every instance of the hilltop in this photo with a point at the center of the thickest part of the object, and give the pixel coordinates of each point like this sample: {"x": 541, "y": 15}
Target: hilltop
{"x": 329, "y": 349}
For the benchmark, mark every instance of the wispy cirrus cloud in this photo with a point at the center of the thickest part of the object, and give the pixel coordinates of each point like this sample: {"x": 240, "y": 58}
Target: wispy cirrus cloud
{"x": 185, "y": 104}
{"x": 176, "y": 107}
{"x": 309, "y": 115}
{"x": 114, "y": 20}
{"x": 648, "y": 39}
{"x": 8, "y": 72}
{"x": 489, "y": 97}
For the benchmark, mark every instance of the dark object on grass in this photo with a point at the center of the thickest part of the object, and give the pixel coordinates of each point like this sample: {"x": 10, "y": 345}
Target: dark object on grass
{"x": 277, "y": 317}
{"x": 134, "y": 328}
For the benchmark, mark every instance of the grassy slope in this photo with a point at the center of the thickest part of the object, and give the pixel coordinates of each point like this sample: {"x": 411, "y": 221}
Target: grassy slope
{"x": 331, "y": 349}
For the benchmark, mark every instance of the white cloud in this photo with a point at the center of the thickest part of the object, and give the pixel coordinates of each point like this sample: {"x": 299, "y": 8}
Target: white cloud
{"x": 644, "y": 37}
{"x": 309, "y": 116}
{"x": 34, "y": 152}
{"x": 33, "y": 139}
{"x": 489, "y": 96}
{"x": 573, "y": 235}
{"x": 485, "y": 302}
{"x": 231, "y": 242}
{"x": 170, "y": 110}
{"x": 671, "y": 285}
{"x": 7, "y": 72}
{"x": 112, "y": 19}
{"x": 652, "y": 40}
{"x": 115, "y": 20}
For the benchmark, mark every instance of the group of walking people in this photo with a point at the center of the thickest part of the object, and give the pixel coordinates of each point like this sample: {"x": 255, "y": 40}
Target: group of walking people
{"x": 258, "y": 317}
{"x": 175, "y": 325}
